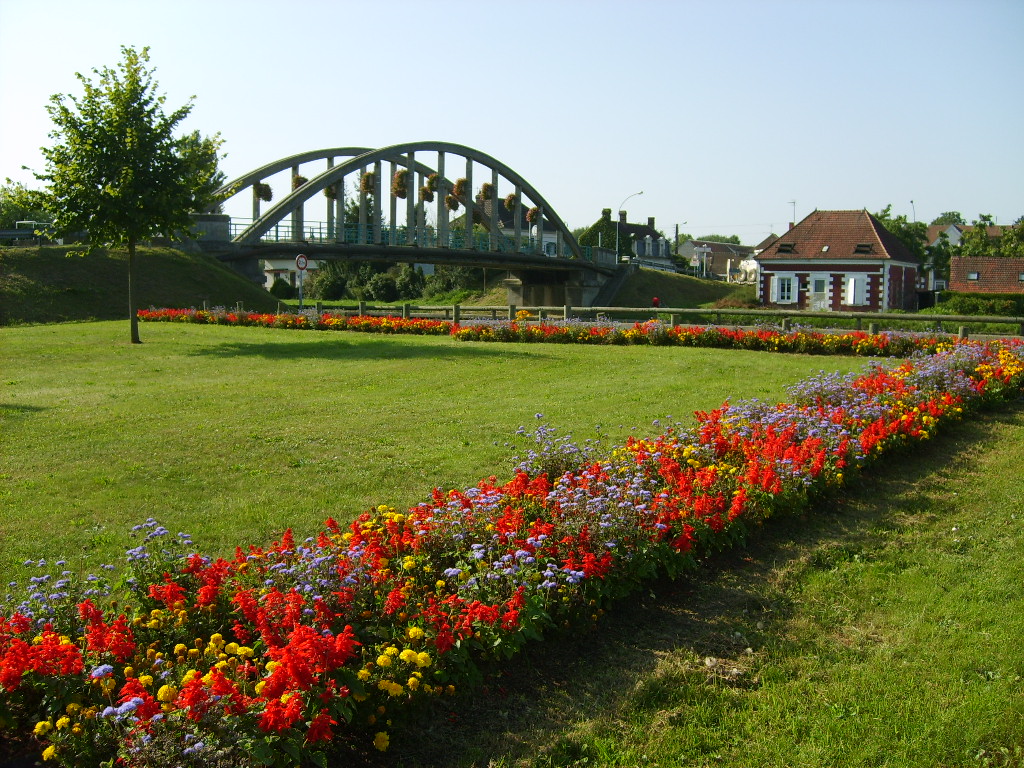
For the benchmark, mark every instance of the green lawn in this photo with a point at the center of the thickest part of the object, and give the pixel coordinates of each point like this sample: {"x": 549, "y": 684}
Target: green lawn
{"x": 882, "y": 630}
{"x": 234, "y": 434}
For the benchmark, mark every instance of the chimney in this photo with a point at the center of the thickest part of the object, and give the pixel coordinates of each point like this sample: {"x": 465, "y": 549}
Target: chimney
{"x": 606, "y": 214}
{"x": 622, "y": 217}
{"x": 650, "y": 222}
{"x": 791, "y": 225}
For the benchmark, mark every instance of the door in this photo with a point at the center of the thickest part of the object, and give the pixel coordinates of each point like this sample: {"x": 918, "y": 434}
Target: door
{"x": 819, "y": 294}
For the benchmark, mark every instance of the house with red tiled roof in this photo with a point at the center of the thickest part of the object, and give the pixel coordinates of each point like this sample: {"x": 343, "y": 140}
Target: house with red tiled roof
{"x": 986, "y": 274}
{"x": 838, "y": 261}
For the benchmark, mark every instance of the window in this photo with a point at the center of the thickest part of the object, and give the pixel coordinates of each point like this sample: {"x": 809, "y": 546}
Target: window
{"x": 856, "y": 293}
{"x": 1021, "y": 277}
{"x": 862, "y": 248}
{"x": 783, "y": 289}
{"x": 973, "y": 275}
{"x": 787, "y": 247}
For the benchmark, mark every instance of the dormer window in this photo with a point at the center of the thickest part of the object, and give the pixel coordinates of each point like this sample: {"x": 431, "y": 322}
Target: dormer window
{"x": 787, "y": 247}
{"x": 862, "y": 248}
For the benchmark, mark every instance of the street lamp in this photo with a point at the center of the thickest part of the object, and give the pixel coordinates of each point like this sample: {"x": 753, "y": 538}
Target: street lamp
{"x": 623, "y": 203}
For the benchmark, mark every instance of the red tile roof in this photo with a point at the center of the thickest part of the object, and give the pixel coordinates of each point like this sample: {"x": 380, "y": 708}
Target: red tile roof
{"x": 995, "y": 274}
{"x": 837, "y": 235}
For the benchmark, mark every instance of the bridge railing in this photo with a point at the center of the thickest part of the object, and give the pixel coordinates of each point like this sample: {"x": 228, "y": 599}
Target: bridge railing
{"x": 322, "y": 232}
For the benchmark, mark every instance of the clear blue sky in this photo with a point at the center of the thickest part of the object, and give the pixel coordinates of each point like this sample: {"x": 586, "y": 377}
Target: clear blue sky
{"x": 721, "y": 112}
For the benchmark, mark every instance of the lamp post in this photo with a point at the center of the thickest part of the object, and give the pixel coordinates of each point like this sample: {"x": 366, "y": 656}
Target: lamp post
{"x": 617, "y": 221}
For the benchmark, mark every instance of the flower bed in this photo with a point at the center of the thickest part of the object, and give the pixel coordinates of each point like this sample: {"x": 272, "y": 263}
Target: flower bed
{"x": 278, "y": 653}
{"x": 652, "y": 332}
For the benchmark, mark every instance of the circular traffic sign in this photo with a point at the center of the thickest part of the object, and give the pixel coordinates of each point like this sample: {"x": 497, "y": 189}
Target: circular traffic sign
{"x": 301, "y": 261}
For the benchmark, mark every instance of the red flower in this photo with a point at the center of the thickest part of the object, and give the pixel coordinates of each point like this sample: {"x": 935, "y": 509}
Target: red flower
{"x": 320, "y": 728}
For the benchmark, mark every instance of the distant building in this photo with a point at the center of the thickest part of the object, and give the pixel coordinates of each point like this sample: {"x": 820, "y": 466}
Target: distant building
{"x": 838, "y": 260}
{"x": 641, "y": 243}
{"x": 986, "y": 274}
{"x": 714, "y": 259}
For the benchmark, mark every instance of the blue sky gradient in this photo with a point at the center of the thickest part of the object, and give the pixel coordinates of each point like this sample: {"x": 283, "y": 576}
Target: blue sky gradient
{"x": 723, "y": 113}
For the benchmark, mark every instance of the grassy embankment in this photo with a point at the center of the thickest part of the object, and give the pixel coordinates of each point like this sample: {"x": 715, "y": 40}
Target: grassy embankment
{"x": 48, "y": 284}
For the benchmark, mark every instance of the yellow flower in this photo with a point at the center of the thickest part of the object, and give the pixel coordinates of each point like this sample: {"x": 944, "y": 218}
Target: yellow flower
{"x": 414, "y": 633}
{"x": 423, "y": 660}
{"x": 383, "y": 660}
{"x": 408, "y": 656}
{"x": 167, "y": 693}
{"x": 392, "y": 650}
{"x": 363, "y": 674}
{"x": 381, "y": 741}
{"x": 146, "y": 680}
{"x": 231, "y": 648}
{"x": 62, "y": 723}
{"x": 180, "y": 649}
{"x": 414, "y": 683}
{"x": 42, "y": 728}
{"x": 50, "y": 752}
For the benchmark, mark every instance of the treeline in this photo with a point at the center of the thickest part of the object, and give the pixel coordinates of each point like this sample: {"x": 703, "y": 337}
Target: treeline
{"x": 375, "y": 281}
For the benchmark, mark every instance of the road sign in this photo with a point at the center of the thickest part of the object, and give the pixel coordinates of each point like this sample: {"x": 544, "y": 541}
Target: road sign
{"x": 301, "y": 262}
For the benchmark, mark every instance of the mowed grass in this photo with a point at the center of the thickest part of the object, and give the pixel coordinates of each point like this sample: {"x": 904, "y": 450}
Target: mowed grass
{"x": 235, "y": 434}
{"x": 881, "y": 630}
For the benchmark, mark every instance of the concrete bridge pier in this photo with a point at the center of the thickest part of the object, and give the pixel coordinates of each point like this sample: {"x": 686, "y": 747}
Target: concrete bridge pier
{"x": 544, "y": 289}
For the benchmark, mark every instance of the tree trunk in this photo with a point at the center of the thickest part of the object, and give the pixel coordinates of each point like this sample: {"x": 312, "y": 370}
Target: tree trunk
{"x": 133, "y": 315}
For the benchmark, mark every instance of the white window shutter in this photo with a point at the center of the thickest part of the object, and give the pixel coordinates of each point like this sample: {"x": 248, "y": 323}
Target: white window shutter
{"x": 775, "y": 289}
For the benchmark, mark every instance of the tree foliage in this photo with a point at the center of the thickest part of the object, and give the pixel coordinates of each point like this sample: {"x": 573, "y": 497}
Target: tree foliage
{"x": 734, "y": 239}
{"x": 19, "y": 203}
{"x": 982, "y": 238}
{"x": 117, "y": 171}
{"x": 913, "y": 234}
{"x": 950, "y": 217}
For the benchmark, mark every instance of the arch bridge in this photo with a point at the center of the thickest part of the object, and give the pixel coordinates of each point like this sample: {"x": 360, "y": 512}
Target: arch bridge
{"x": 412, "y": 215}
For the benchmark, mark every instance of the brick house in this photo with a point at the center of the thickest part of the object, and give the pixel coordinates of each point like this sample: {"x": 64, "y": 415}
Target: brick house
{"x": 838, "y": 261}
{"x": 986, "y": 274}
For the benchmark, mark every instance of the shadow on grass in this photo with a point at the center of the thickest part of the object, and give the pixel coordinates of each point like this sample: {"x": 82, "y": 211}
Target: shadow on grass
{"x": 344, "y": 350}
{"x": 13, "y": 410}
{"x": 524, "y": 708}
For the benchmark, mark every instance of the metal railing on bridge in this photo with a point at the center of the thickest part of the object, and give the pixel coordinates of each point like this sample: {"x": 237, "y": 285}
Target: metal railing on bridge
{"x": 321, "y": 232}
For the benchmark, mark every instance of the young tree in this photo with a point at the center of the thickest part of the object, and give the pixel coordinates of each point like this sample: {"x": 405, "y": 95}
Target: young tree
{"x": 116, "y": 170}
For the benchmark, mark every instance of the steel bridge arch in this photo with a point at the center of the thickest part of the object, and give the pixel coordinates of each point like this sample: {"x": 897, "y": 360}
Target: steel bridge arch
{"x": 361, "y": 157}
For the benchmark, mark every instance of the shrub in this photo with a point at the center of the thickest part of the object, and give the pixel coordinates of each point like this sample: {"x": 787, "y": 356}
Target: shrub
{"x": 282, "y": 289}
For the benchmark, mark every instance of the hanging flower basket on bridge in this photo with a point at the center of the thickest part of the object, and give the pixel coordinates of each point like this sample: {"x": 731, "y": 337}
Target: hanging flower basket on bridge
{"x": 298, "y": 181}
{"x": 331, "y": 191}
{"x": 431, "y": 183}
{"x": 263, "y": 191}
{"x": 459, "y": 190}
{"x": 451, "y": 202}
{"x": 399, "y": 183}
{"x": 426, "y": 194}
{"x": 367, "y": 182}
{"x": 486, "y": 191}
{"x": 533, "y": 214}
{"x": 510, "y": 201}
